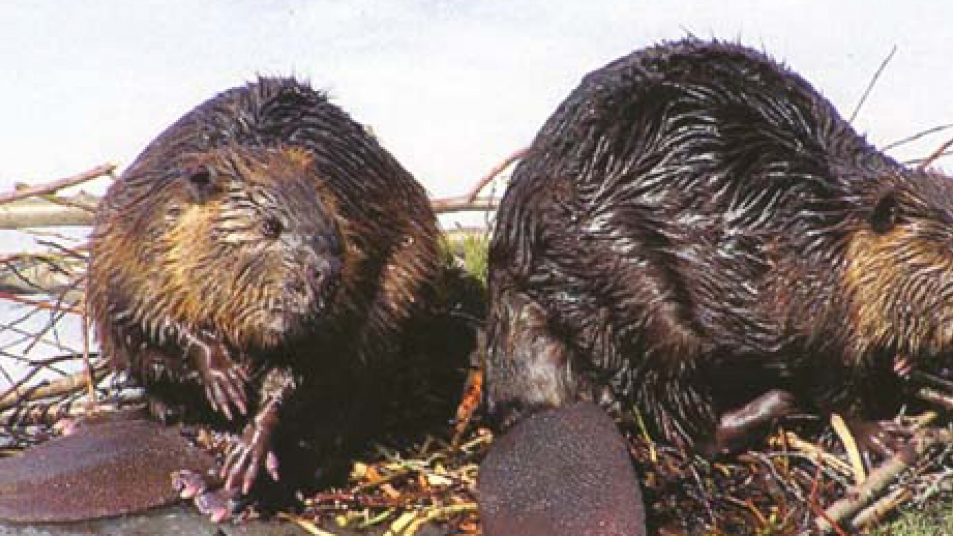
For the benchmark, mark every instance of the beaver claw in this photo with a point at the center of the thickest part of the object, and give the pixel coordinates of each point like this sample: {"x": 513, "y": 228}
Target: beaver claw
{"x": 206, "y": 492}
{"x": 247, "y": 456}
{"x": 224, "y": 378}
{"x": 225, "y": 389}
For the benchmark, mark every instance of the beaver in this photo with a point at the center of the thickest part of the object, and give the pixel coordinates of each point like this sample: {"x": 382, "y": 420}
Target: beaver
{"x": 563, "y": 471}
{"x": 256, "y": 267}
{"x": 697, "y": 234}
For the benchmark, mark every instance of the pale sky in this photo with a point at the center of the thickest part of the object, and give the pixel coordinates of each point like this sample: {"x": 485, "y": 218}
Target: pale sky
{"x": 450, "y": 86}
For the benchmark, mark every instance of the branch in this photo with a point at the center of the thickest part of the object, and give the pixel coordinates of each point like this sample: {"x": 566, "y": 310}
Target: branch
{"x": 463, "y": 203}
{"x": 471, "y": 201}
{"x": 62, "y": 386}
{"x": 486, "y": 179}
{"x": 42, "y": 304}
{"x": 915, "y": 137}
{"x": 880, "y": 478}
{"x": 42, "y": 213}
{"x": 39, "y": 274}
{"x": 936, "y": 154}
{"x": 50, "y": 187}
{"x": 873, "y": 82}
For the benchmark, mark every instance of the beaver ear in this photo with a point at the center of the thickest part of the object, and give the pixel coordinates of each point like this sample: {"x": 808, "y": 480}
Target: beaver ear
{"x": 885, "y": 214}
{"x": 201, "y": 183}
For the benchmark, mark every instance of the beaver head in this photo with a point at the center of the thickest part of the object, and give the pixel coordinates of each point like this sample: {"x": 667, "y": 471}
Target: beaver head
{"x": 251, "y": 227}
{"x": 241, "y": 238}
{"x": 899, "y": 268}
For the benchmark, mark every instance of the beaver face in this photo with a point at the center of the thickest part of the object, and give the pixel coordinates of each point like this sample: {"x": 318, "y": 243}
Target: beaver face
{"x": 899, "y": 269}
{"x": 261, "y": 253}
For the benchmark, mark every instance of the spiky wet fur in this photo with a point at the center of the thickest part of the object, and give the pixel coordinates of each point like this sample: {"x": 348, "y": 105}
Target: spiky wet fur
{"x": 172, "y": 251}
{"x": 696, "y": 223}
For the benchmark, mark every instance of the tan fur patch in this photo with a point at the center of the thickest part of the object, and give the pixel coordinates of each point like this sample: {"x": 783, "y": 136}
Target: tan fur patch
{"x": 299, "y": 157}
{"x": 891, "y": 300}
{"x": 188, "y": 246}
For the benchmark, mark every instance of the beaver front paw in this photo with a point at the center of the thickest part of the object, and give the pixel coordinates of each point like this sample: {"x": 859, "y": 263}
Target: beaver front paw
{"x": 208, "y": 495}
{"x": 225, "y": 388}
{"x": 248, "y": 455}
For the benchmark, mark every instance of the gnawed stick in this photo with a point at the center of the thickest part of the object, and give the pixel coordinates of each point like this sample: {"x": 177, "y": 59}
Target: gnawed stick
{"x": 471, "y": 201}
{"x": 62, "y": 386}
{"x": 492, "y": 174}
{"x": 881, "y": 508}
{"x": 880, "y": 478}
{"x": 58, "y": 184}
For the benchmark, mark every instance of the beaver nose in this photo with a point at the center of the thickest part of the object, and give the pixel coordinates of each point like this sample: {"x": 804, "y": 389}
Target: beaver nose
{"x": 326, "y": 272}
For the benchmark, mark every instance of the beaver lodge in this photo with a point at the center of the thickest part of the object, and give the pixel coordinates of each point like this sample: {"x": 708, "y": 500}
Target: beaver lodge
{"x": 806, "y": 477}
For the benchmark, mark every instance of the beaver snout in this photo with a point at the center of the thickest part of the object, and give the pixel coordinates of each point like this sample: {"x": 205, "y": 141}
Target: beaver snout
{"x": 326, "y": 275}
{"x": 312, "y": 290}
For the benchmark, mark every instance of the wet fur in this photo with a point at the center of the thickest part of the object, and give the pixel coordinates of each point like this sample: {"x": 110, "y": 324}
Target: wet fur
{"x": 186, "y": 240}
{"x": 695, "y": 225}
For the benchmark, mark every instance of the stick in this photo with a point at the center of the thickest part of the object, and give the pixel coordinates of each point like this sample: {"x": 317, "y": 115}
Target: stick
{"x": 813, "y": 451}
{"x": 50, "y": 187}
{"x": 87, "y": 364}
{"x": 463, "y": 203}
{"x": 917, "y": 136}
{"x": 42, "y": 212}
{"x": 933, "y": 396}
{"x": 471, "y": 201}
{"x": 881, "y": 477}
{"x": 934, "y": 155}
{"x": 69, "y": 384}
{"x": 873, "y": 81}
{"x": 486, "y": 179}
{"x": 881, "y": 508}
{"x": 850, "y": 447}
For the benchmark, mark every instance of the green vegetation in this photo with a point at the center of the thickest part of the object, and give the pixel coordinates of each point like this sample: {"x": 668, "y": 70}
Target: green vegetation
{"x": 935, "y": 520}
{"x": 475, "y": 255}
{"x": 468, "y": 250}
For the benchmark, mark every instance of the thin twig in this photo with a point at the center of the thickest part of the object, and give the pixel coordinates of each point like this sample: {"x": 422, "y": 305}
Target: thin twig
{"x": 40, "y": 304}
{"x": 463, "y": 203}
{"x": 815, "y": 452}
{"x": 50, "y": 187}
{"x": 74, "y": 202}
{"x": 486, "y": 179}
{"x": 934, "y": 155}
{"x": 917, "y": 136}
{"x": 87, "y": 364}
{"x": 471, "y": 201}
{"x": 433, "y": 514}
{"x": 61, "y": 386}
{"x": 873, "y": 81}
{"x": 944, "y": 400}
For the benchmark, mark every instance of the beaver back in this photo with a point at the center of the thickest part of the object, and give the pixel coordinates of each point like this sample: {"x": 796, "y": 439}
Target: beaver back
{"x": 695, "y": 214}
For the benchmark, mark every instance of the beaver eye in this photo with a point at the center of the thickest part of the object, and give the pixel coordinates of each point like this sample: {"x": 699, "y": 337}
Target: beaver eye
{"x": 271, "y": 227}
{"x": 885, "y": 214}
{"x": 201, "y": 183}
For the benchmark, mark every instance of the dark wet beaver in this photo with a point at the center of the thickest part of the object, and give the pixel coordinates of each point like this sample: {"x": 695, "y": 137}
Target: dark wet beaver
{"x": 263, "y": 257}
{"x": 698, "y": 234}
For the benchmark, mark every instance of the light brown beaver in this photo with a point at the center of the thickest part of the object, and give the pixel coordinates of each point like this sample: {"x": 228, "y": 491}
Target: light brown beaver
{"x": 262, "y": 259}
{"x": 698, "y": 234}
